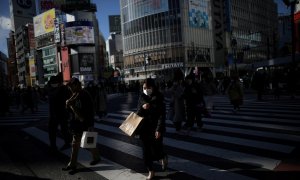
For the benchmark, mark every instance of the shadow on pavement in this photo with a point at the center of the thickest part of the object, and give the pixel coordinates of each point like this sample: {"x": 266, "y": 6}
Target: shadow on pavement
{"x": 11, "y": 176}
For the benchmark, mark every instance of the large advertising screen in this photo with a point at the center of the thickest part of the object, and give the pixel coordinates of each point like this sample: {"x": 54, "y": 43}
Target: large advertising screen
{"x": 198, "y": 14}
{"x": 86, "y": 63}
{"x": 79, "y": 32}
{"x": 44, "y": 23}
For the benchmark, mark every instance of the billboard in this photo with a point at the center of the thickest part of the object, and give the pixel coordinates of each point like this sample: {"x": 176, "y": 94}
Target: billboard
{"x": 79, "y": 32}
{"x": 198, "y": 14}
{"x": 44, "y": 23}
{"x": 86, "y": 63}
{"x": 114, "y": 23}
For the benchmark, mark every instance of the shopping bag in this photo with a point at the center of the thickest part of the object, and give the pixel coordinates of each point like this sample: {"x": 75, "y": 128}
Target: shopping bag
{"x": 131, "y": 123}
{"x": 88, "y": 139}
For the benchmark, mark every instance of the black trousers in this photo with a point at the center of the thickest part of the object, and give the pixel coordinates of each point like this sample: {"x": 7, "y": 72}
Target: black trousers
{"x": 53, "y": 129}
{"x": 152, "y": 150}
{"x": 193, "y": 115}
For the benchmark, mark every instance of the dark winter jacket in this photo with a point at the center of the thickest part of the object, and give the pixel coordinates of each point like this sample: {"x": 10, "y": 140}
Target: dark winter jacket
{"x": 57, "y": 102}
{"x": 154, "y": 117}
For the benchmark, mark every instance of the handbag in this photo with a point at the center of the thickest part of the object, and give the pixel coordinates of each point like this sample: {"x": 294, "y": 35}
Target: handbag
{"x": 88, "y": 139}
{"x": 131, "y": 123}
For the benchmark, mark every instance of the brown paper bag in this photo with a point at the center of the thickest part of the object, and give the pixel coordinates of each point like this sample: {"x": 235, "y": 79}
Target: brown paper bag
{"x": 131, "y": 123}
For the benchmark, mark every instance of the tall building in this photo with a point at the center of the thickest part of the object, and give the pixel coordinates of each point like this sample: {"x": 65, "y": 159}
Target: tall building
{"x": 70, "y": 46}
{"x": 284, "y": 35}
{"x": 3, "y": 70}
{"x": 115, "y": 50}
{"x": 161, "y": 37}
{"x": 22, "y": 53}
{"x": 21, "y": 12}
{"x": 83, "y": 39}
{"x": 13, "y": 79}
{"x": 253, "y": 29}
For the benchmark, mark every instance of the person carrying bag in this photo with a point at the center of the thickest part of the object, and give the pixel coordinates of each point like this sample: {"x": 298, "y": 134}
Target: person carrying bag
{"x": 81, "y": 105}
{"x": 131, "y": 123}
{"x": 151, "y": 108}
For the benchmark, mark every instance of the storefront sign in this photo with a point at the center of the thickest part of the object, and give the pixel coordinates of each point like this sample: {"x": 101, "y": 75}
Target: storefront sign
{"x": 172, "y": 65}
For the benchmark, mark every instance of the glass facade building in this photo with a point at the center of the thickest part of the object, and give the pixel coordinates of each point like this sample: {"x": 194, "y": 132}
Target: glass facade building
{"x": 161, "y": 36}
{"x": 158, "y": 38}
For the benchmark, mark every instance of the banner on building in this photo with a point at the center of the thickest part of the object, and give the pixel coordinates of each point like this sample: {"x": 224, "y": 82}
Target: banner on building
{"x": 66, "y": 69}
{"x": 198, "y": 14}
{"x": 44, "y": 23}
{"x": 32, "y": 67}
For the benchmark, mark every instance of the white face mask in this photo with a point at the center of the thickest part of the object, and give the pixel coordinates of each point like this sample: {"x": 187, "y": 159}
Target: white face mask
{"x": 148, "y": 92}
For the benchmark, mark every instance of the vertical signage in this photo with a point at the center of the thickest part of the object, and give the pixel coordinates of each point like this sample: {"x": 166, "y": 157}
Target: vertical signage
{"x": 56, "y": 31}
{"x": 62, "y": 34}
{"x": 66, "y": 70}
{"x": 219, "y": 31}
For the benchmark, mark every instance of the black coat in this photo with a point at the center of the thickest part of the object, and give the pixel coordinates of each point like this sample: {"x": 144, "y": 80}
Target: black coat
{"x": 57, "y": 102}
{"x": 154, "y": 117}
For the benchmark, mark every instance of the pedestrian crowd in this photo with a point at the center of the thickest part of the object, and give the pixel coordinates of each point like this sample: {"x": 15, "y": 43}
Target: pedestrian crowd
{"x": 73, "y": 108}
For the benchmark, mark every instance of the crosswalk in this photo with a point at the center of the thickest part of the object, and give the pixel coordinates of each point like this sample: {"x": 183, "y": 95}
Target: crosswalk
{"x": 230, "y": 145}
{"x": 17, "y": 118}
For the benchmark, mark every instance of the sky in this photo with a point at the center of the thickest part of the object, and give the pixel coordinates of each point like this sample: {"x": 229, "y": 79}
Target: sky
{"x": 104, "y": 9}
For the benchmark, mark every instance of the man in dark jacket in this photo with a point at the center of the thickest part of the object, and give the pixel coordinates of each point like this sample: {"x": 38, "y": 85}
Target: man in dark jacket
{"x": 194, "y": 102}
{"x": 58, "y": 114}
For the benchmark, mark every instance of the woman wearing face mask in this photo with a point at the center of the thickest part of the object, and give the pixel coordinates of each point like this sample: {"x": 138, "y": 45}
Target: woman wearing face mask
{"x": 152, "y": 108}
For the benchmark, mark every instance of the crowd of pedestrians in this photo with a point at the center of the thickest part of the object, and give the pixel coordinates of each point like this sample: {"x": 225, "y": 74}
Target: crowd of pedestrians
{"x": 73, "y": 108}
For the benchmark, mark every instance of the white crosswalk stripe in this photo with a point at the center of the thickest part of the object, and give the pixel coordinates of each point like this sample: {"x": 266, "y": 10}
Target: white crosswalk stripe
{"x": 16, "y": 118}
{"x": 257, "y": 137}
